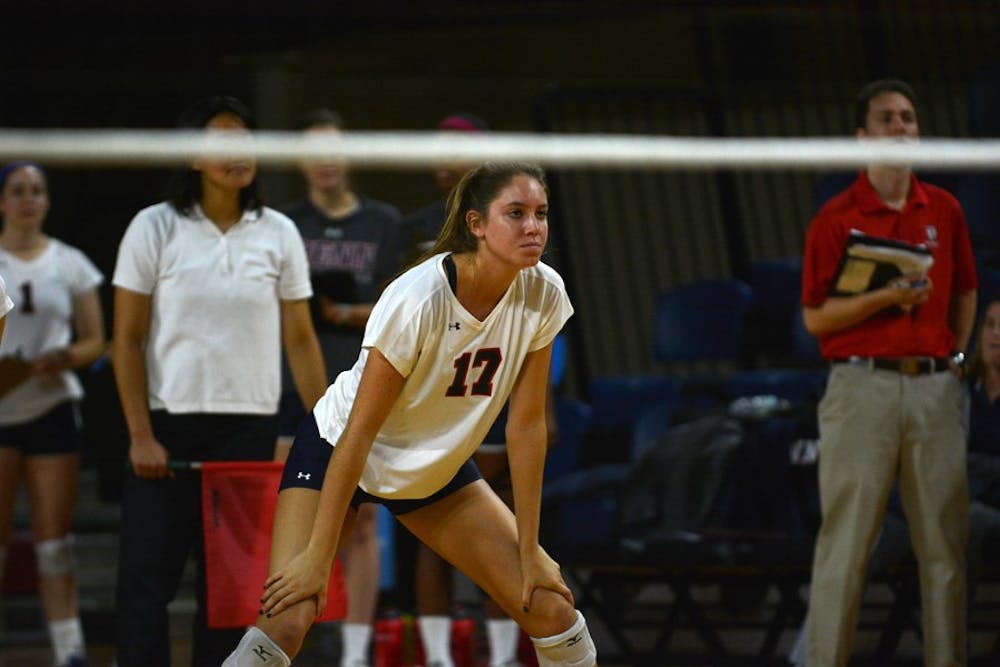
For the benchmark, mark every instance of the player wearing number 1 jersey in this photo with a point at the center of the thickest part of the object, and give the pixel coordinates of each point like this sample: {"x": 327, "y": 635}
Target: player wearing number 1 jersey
{"x": 55, "y": 328}
{"x": 446, "y": 344}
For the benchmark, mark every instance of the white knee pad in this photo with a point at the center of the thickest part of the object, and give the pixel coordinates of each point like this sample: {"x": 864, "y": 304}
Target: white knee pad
{"x": 56, "y": 556}
{"x": 256, "y": 649}
{"x": 573, "y": 648}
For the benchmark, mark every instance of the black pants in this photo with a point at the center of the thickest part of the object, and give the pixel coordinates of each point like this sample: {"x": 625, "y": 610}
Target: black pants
{"x": 161, "y": 525}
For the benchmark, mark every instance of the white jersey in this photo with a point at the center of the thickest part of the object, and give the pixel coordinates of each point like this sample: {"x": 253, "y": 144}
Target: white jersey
{"x": 47, "y": 286}
{"x": 5, "y": 303}
{"x": 459, "y": 372}
{"x": 214, "y": 343}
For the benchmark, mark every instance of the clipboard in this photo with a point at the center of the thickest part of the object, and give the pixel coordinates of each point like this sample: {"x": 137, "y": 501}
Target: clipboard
{"x": 870, "y": 262}
{"x": 13, "y": 371}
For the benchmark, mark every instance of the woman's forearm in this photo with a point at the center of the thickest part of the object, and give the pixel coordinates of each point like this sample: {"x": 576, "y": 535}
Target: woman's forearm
{"x": 526, "y": 451}
{"x": 305, "y": 360}
{"x": 130, "y": 375}
{"x": 341, "y": 479}
{"x": 308, "y": 372}
{"x": 380, "y": 386}
{"x": 88, "y": 326}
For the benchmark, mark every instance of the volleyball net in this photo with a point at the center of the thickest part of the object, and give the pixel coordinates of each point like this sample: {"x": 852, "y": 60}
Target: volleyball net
{"x": 632, "y": 214}
{"x": 417, "y": 150}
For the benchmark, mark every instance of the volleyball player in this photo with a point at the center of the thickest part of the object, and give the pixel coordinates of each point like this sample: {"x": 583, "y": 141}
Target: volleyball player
{"x": 447, "y": 343}
{"x": 57, "y": 327}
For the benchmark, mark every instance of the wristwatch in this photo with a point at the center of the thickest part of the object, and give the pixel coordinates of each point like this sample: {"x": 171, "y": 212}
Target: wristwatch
{"x": 956, "y": 361}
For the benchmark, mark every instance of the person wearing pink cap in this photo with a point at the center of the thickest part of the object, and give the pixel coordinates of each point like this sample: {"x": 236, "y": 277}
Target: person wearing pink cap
{"x": 420, "y": 228}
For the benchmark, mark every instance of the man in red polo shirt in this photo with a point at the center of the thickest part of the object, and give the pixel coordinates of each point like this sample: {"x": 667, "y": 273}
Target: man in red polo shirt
{"x": 893, "y": 404}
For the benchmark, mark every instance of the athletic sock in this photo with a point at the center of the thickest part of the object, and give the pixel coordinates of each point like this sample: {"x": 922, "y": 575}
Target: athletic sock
{"x": 502, "y": 634}
{"x": 67, "y": 639}
{"x": 435, "y": 632}
{"x": 355, "y": 638}
{"x": 256, "y": 649}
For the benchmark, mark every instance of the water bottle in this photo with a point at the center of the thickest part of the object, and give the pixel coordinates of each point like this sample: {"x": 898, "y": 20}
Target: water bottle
{"x": 463, "y": 640}
{"x": 526, "y": 650}
{"x": 388, "y": 648}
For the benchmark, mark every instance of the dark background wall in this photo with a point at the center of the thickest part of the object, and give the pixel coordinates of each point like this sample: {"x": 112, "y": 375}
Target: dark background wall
{"x": 682, "y": 68}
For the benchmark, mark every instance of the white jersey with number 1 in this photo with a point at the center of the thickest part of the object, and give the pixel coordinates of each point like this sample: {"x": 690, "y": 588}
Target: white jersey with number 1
{"x": 47, "y": 287}
{"x": 459, "y": 372}
{"x": 6, "y": 305}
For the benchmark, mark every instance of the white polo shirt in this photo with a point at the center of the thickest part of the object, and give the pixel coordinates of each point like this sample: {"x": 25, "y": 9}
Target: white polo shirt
{"x": 459, "y": 372}
{"x": 43, "y": 321}
{"x": 214, "y": 342}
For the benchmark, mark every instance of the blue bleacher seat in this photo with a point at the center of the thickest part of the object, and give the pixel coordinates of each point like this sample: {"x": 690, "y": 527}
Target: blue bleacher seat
{"x": 696, "y": 325}
{"x": 573, "y": 417}
{"x": 701, "y": 321}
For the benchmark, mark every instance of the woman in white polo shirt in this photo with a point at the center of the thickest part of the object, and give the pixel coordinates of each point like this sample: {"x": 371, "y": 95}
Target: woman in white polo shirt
{"x": 208, "y": 285}
{"x": 446, "y": 345}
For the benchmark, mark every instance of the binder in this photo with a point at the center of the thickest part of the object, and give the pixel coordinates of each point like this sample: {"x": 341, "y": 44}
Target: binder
{"x": 869, "y": 262}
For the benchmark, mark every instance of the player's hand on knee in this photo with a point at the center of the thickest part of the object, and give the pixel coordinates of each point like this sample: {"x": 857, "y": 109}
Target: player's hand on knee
{"x": 301, "y": 579}
{"x": 541, "y": 571}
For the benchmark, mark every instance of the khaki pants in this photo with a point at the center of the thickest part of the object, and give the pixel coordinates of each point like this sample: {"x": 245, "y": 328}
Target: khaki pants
{"x": 876, "y": 426}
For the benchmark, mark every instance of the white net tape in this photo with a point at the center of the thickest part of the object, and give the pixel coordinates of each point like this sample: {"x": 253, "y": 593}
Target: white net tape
{"x": 400, "y": 150}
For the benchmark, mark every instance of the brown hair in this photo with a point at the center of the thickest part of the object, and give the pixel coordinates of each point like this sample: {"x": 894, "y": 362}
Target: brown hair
{"x": 874, "y": 89}
{"x": 475, "y": 192}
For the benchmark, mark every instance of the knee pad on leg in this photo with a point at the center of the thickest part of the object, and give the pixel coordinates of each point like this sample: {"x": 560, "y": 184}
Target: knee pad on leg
{"x": 56, "y": 556}
{"x": 572, "y": 648}
{"x": 256, "y": 649}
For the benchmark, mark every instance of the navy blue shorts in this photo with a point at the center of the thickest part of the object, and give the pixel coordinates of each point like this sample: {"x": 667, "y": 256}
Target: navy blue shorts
{"x": 55, "y": 432}
{"x": 310, "y": 455}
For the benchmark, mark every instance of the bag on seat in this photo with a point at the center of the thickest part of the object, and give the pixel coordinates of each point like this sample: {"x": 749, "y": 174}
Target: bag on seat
{"x": 671, "y": 496}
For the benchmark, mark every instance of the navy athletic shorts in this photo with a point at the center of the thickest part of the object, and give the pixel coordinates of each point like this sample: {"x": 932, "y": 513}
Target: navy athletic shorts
{"x": 310, "y": 454}
{"x": 55, "y": 432}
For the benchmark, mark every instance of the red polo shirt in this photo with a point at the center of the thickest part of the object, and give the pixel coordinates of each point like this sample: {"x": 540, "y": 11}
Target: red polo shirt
{"x": 931, "y": 216}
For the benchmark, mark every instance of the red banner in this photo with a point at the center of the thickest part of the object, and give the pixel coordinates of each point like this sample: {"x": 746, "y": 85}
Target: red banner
{"x": 238, "y": 500}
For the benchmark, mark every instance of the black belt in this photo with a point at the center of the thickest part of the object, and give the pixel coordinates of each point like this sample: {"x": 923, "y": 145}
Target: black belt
{"x": 904, "y": 365}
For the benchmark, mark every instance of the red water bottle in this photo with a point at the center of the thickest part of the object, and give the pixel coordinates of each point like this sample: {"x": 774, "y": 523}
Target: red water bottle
{"x": 388, "y": 649}
{"x": 463, "y": 641}
{"x": 526, "y": 650}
